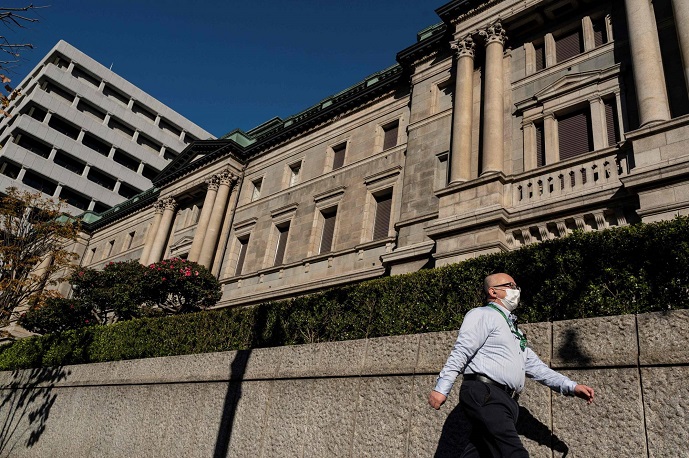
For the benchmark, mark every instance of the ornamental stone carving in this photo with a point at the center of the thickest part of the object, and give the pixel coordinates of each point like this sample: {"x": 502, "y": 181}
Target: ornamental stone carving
{"x": 226, "y": 177}
{"x": 158, "y": 207}
{"x": 494, "y": 34}
{"x": 213, "y": 183}
{"x": 169, "y": 203}
{"x": 464, "y": 47}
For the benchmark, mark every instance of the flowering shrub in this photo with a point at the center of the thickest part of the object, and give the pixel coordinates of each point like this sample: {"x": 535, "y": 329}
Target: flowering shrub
{"x": 56, "y": 315}
{"x": 179, "y": 286}
{"x": 126, "y": 290}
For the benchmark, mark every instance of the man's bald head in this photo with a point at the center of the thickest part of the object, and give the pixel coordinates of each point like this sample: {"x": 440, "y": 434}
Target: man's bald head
{"x": 496, "y": 279}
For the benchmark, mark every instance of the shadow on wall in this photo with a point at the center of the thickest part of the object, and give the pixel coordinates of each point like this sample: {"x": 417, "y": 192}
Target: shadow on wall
{"x": 25, "y": 407}
{"x": 571, "y": 351}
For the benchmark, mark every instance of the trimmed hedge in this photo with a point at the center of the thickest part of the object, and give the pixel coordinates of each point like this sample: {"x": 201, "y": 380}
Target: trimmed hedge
{"x": 634, "y": 269}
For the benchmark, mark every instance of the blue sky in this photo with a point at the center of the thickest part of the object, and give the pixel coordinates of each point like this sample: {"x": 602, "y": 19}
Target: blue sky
{"x": 231, "y": 64}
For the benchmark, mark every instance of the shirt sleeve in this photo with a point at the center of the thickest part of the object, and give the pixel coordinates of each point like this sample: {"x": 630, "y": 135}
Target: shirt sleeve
{"x": 540, "y": 372}
{"x": 472, "y": 335}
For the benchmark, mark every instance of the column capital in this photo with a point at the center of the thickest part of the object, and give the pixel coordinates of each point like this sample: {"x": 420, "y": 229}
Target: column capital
{"x": 464, "y": 47}
{"x": 213, "y": 183}
{"x": 169, "y": 203}
{"x": 494, "y": 33}
{"x": 226, "y": 177}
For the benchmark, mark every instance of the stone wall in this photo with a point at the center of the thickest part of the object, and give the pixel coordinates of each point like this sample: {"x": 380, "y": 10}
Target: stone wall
{"x": 355, "y": 398}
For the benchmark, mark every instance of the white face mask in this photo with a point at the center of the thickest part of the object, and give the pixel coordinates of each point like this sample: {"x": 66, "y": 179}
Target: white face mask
{"x": 511, "y": 299}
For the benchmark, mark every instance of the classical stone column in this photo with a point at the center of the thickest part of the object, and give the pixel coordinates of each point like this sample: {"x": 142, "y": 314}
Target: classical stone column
{"x": 195, "y": 250}
{"x": 680, "y": 9}
{"x": 226, "y": 229}
{"x": 493, "y": 100}
{"x": 646, "y": 62}
{"x": 161, "y": 237}
{"x": 217, "y": 215}
{"x": 460, "y": 153}
{"x": 152, "y": 231}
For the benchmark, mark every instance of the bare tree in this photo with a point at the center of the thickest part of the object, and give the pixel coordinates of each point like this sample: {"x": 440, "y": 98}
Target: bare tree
{"x": 11, "y": 18}
{"x": 34, "y": 234}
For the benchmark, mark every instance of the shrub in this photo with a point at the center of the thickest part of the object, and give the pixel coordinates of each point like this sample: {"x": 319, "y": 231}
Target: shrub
{"x": 180, "y": 286}
{"x": 57, "y": 315}
{"x": 634, "y": 269}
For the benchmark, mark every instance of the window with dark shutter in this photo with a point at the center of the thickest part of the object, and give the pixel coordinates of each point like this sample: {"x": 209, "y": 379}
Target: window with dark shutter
{"x": 574, "y": 132}
{"x": 569, "y": 45}
{"x": 540, "y": 145}
{"x": 390, "y": 135}
{"x": 599, "y": 32}
{"x": 328, "y": 231}
{"x": 339, "y": 155}
{"x": 282, "y": 244}
{"x": 611, "y": 122}
{"x": 382, "y": 222}
{"x": 540, "y": 56}
{"x": 243, "y": 244}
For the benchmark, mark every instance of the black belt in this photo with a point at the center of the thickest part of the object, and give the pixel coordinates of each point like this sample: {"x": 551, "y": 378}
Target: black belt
{"x": 482, "y": 378}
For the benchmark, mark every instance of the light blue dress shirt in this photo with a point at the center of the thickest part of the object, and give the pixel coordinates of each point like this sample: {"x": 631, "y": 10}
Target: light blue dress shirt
{"x": 486, "y": 345}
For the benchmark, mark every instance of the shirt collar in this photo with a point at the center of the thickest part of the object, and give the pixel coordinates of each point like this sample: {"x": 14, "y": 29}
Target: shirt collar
{"x": 504, "y": 310}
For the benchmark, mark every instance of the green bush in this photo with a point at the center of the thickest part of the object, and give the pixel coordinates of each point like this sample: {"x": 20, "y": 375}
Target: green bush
{"x": 634, "y": 269}
{"x": 125, "y": 290}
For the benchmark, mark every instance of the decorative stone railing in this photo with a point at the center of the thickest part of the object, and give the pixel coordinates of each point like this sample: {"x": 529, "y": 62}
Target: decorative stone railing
{"x": 572, "y": 176}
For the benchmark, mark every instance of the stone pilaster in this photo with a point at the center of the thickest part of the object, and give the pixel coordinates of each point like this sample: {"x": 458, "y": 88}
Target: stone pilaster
{"x": 646, "y": 62}
{"x": 493, "y": 99}
{"x": 227, "y": 179}
{"x": 200, "y": 233}
{"x": 680, "y": 9}
{"x": 161, "y": 236}
{"x": 460, "y": 152}
{"x": 158, "y": 208}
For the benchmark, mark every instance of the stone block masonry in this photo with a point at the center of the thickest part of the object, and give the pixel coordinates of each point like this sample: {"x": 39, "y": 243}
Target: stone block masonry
{"x": 354, "y": 398}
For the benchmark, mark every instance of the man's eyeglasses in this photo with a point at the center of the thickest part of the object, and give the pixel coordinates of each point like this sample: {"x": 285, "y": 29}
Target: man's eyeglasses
{"x": 510, "y": 285}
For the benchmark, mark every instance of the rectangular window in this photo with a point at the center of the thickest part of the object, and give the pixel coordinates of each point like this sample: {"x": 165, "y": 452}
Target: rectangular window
{"x": 128, "y": 241}
{"x": 611, "y": 122}
{"x": 599, "y": 37}
{"x": 569, "y": 45}
{"x": 126, "y": 160}
{"x": 540, "y": 56}
{"x": 89, "y": 257}
{"x": 108, "y": 249}
{"x": 91, "y": 110}
{"x": 283, "y": 233}
{"x": 121, "y": 128}
{"x": 294, "y": 173}
{"x": 64, "y": 127}
{"x": 39, "y": 183}
{"x": 95, "y": 144}
{"x": 75, "y": 199}
{"x": 80, "y": 74}
{"x": 102, "y": 179}
{"x": 390, "y": 135}
{"x": 574, "y": 132}
{"x": 540, "y": 144}
{"x": 256, "y": 191}
{"x": 329, "y": 217}
{"x": 381, "y": 226}
{"x": 116, "y": 95}
{"x": 127, "y": 191}
{"x": 9, "y": 169}
{"x": 339, "y": 155}
{"x": 243, "y": 244}
{"x": 33, "y": 145}
{"x": 65, "y": 160}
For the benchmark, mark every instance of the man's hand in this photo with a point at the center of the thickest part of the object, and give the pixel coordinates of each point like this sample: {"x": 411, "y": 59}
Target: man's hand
{"x": 584, "y": 392}
{"x": 436, "y": 399}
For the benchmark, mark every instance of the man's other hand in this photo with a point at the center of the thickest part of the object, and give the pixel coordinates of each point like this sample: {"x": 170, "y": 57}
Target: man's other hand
{"x": 436, "y": 399}
{"x": 584, "y": 392}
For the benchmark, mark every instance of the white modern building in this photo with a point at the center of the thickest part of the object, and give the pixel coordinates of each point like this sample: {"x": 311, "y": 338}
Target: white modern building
{"x": 82, "y": 133}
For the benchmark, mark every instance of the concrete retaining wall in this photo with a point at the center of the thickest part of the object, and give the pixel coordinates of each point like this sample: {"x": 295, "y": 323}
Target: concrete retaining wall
{"x": 355, "y": 398}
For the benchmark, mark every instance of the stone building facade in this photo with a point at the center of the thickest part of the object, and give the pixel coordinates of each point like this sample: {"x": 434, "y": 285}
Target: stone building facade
{"x": 79, "y": 132}
{"x": 508, "y": 123}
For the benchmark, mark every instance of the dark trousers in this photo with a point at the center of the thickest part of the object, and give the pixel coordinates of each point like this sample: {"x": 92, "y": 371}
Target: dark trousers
{"x": 493, "y": 416}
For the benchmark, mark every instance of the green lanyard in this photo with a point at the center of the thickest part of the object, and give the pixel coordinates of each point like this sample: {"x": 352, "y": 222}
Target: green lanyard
{"x": 513, "y": 328}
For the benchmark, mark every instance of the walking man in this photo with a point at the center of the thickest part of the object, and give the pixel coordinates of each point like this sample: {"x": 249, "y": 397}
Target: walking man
{"x": 492, "y": 354}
